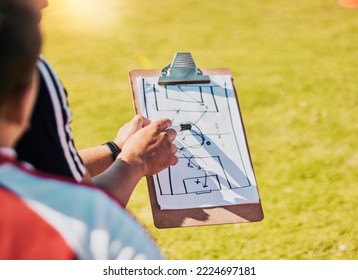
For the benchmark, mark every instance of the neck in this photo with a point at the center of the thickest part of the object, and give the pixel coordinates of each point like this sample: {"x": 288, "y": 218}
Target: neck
{"x": 9, "y": 134}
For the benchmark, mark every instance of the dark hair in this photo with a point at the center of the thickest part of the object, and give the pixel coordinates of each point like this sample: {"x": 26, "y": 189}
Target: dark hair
{"x": 20, "y": 43}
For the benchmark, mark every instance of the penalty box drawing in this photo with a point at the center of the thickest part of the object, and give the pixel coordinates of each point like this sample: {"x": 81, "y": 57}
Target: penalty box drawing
{"x": 202, "y": 180}
{"x": 185, "y": 98}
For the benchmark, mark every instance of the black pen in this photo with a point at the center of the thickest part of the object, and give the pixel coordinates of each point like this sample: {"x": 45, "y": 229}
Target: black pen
{"x": 181, "y": 127}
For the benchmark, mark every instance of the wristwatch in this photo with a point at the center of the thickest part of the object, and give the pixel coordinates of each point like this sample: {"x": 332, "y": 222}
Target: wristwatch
{"x": 114, "y": 149}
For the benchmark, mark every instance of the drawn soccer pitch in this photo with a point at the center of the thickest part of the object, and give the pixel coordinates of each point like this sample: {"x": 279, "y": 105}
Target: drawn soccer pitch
{"x": 214, "y": 164}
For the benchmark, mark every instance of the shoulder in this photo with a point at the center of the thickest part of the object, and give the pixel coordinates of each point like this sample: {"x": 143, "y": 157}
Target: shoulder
{"x": 94, "y": 225}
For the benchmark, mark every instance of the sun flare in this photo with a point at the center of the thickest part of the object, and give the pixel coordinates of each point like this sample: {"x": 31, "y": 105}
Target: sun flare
{"x": 84, "y": 15}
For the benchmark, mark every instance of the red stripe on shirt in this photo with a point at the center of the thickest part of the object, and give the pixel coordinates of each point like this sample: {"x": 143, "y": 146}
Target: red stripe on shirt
{"x": 26, "y": 235}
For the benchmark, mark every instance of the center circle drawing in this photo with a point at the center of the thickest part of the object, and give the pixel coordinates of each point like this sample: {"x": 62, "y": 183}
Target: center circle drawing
{"x": 192, "y": 138}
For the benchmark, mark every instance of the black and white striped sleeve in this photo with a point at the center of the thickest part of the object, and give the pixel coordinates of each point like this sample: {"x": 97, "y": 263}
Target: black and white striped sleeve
{"x": 49, "y": 144}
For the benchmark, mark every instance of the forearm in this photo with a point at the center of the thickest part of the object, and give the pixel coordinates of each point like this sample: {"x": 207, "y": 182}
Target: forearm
{"x": 146, "y": 152}
{"x": 96, "y": 159}
{"x": 119, "y": 180}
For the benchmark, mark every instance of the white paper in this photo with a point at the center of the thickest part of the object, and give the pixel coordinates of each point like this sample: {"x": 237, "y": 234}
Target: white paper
{"x": 214, "y": 167}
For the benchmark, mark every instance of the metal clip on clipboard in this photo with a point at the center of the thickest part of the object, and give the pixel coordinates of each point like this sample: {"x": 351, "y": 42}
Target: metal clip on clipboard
{"x": 182, "y": 70}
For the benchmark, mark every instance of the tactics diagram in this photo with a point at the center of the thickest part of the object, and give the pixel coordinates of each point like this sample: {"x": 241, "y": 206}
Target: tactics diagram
{"x": 214, "y": 164}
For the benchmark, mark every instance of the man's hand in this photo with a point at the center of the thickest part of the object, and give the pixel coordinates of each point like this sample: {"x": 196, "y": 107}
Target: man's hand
{"x": 147, "y": 151}
{"x": 151, "y": 148}
{"x": 130, "y": 128}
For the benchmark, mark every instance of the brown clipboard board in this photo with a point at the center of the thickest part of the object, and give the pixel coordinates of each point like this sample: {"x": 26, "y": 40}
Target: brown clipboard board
{"x": 219, "y": 215}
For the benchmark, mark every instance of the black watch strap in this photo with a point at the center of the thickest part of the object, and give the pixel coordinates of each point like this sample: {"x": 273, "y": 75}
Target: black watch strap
{"x": 114, "y": 149}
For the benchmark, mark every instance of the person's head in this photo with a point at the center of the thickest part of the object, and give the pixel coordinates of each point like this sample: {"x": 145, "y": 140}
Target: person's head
{"x": 20, "y": 45}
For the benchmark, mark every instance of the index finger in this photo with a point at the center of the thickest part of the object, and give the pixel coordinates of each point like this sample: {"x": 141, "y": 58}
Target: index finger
{"x": 143, "y": 122}
{"x": 163, "y": 124}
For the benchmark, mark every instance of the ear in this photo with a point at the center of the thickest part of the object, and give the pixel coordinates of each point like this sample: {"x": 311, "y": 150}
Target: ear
{"x": 18, "y": 109}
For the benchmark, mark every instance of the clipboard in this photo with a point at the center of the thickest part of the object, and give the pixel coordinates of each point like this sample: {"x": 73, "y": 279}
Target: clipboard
{"x": 183, "y": 70}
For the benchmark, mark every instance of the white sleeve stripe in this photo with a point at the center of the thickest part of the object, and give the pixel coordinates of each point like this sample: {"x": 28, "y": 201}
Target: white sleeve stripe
{"x": 70, "y": 153}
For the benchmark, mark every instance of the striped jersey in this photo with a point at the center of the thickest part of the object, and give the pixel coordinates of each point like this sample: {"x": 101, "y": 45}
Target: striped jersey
{"x": 44, "y": 217}
{"x": 48, "y": 144}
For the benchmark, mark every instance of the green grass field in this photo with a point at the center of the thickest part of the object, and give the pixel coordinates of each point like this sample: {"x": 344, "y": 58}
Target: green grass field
{"x": 295, "y": 69}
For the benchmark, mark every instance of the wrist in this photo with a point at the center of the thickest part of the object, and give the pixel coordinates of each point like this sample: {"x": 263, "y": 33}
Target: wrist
{"x": 113, "y": 147}
{"x": 137, "y": 165}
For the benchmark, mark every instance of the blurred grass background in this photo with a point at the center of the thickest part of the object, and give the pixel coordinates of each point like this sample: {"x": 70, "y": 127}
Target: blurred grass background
{"x": 295, "y": 70}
